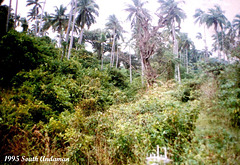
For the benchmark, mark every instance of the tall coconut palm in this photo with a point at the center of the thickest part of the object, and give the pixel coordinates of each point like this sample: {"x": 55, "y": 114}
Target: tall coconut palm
{"x": 236, "y": 24}
{"x": 74, "y": 3}
{"x": 101, "y": 41}
{"x": 35, "y": 11}
{"x": 24, "y": 24}
{"x": 115, "y": 27}
{"x": 230, "y": 37}
{"x": 47, "y": 23}
{"x": 59, "y": 21}
{"x": 41, "y": 19}
{"x": 215, "y": 17}
{"x": 9, "y": 13}
{"x": 175, "y": 15}
{"x": 87, "y": 11}
{"x": 137, "y": 13}
{"x": 185, "y": 44}
{"x": 200, "y": 17}
{"x": 16, "y": 16}
{"x": 69, "y": 21}
{"x": 199, "y": 36}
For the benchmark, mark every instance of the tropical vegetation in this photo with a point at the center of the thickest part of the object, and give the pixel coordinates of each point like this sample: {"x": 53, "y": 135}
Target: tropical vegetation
{"x": 115, "y": 103}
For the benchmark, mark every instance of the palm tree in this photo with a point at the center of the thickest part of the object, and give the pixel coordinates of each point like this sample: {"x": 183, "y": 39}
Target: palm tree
{"x": 175, "y": 15}
{"x": 146, "y": 36}
{"x": 215, "y": 17}
{"x": 199, "y": 36}
{"x": 24, "y": 24}
{"x": 34, "y": 11}
{"x": 59, "y": 21}
{"x": 88, "y": 9}
{"x": 102, "y": 40}
{"x": 230, "y": 37}
{"x": 47, "y": 18}
{"x": 73, "y": 23}
{"x": 114, "y": 25}
{"x": 9, "y": 13}
{"x": 16, "y": 16}
{"x": 136, "y": 14}
{"x": 69, "y": 21}
{"x": 41, "y": 19}
{"x": 185, "y": 44}
{"x": 236, "y": 24}
{"x": 200, "y": 17}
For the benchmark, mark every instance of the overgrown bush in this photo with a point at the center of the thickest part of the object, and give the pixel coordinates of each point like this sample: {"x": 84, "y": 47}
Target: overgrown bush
{"x": 20, "y": 51}
{"x": 126, "y": 133}
{"x": 229, "y": 94}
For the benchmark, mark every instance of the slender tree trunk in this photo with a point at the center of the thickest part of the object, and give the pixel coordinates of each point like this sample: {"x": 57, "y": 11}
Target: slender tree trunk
{"x": 73, "y": 23}
{"x": 60, "y": 40}
{"x": 102, "y": 56}
{"x": 117, "y": 59}
{"x": 130, "y": 68}
{"x": 175, "y": 52}
{"x": 113, "y": 60}
{"x": 9, "y": 13}
{"x": 218, "y": 45}
{"x": 180, "y": 55}
{"x": 178, "y": 73}
{"x": 16, "y": 9}
{"x": 41, "y": 19}
{"x": 224, "y": 57}
{"x": 113, "y": 50}
{"x": 205, "y": 43}
{"x": 81, "y": 36}
{"x": 142, "y": 66}
{"x": 69, "y": 22}
{"x": 36, "y": 30}
{"x": 187, "y": 60}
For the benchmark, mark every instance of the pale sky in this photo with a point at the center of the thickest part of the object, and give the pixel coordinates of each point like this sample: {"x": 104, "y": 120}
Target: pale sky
{"x": 109, "y": 7}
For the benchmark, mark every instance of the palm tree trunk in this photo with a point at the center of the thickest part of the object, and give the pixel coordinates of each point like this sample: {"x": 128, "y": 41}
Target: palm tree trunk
{"x": 102, "y": 56}
{"x": 130, "y": 63}
{"x": 60, "y": 40}
{"x": 175, "y": 52}
{"x": 36, "y": 30}
{"x": 218, "y": 45}
{"x": 142, "y": 67}
{"x": 187, "y": 60}
{"x": 224, "y": 57}
{"x": 205, "y": 43}
{"x": 73, "y": 23}
{"x": 69, "y": 21}
{"x": 9, "y": 13}
{"x": 113, "y": 50}
{"x": 15, "y": 22}
{"x": 81, "y": 36}
{"x": 117, "y": 59}
{"x": 41, "y": 20}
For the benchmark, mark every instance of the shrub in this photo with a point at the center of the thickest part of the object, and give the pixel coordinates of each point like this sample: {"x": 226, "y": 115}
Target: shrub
{"x": 229, "y": 94}
{"x": 20, "y": 51}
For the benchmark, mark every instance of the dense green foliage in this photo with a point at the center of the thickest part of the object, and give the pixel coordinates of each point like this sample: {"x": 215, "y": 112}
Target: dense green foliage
{"x": 96, "y": 108}
{"x": 41, "y": 88}
{"x": 20, "y": 51}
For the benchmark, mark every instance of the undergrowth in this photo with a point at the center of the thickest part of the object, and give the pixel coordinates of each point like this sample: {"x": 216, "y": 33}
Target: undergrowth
{"x": 216, "y": 141}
